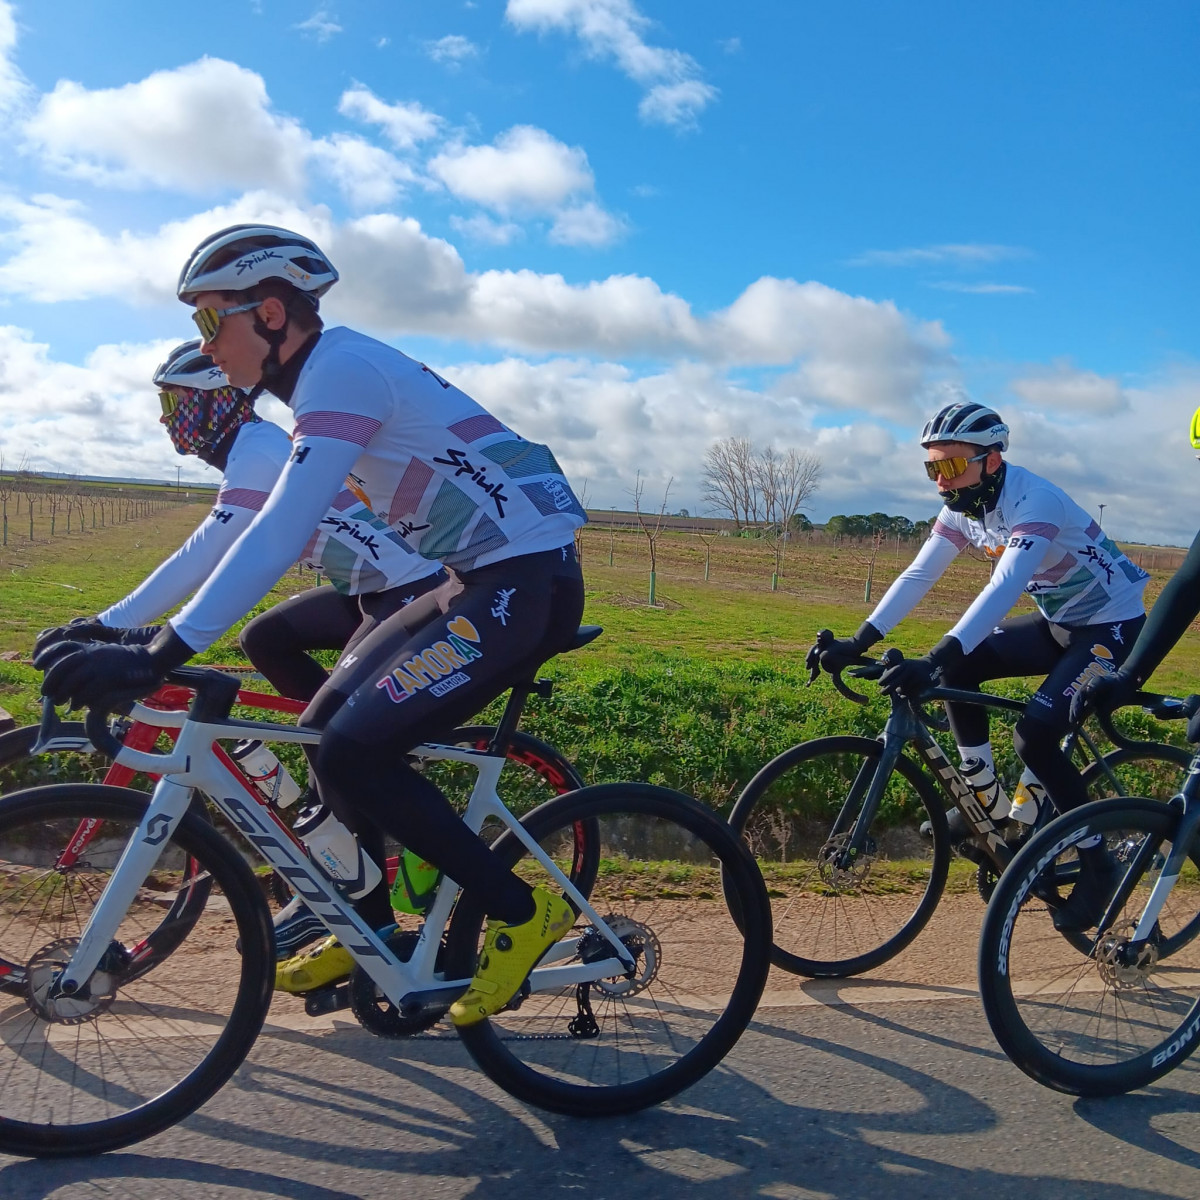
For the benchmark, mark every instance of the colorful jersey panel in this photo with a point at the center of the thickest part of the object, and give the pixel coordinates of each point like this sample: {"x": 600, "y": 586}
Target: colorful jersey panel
{"x": 455, "y": 482}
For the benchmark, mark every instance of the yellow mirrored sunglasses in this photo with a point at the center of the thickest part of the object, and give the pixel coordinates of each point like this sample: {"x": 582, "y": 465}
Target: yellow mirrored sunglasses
{"x": 1196, "y": 432}
{"x": 208, "y": 320}
{"x": 950, "y": 468}
{"x": 169, "y": 402}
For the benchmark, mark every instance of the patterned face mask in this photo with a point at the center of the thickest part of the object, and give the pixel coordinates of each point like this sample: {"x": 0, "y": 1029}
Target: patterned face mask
{"x": 978, "y": 499}
{"x": 202, "y": 418}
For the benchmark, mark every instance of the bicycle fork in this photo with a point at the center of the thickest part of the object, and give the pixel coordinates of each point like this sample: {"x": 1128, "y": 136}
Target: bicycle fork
{"x": 1189, "y": 823}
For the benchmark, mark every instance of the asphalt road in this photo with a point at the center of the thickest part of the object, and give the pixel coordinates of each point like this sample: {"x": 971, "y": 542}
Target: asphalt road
{"x": 847, "y": 1090}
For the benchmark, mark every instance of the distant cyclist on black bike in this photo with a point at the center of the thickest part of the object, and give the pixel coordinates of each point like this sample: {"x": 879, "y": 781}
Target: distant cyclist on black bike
{"x": 1090, "y": 610}
{"x": 461, "y": 488}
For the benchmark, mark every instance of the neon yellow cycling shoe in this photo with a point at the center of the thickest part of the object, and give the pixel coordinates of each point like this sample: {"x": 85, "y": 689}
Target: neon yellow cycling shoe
{"x": 326, "y": 962}
{"x": 509, "y": 953}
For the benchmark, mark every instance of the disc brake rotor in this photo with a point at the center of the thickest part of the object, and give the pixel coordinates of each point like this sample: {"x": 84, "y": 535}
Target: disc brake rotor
{"x": 836, "y": 871}
{"x": 90, "y": 1002}
{"x": 1120, "y": 965}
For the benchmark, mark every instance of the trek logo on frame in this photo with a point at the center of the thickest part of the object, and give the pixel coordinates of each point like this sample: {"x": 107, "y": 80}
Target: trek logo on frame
{"x": 436, "y": 668}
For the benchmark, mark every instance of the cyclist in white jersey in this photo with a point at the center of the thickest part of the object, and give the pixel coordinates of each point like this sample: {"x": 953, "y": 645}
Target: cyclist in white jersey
{"x": 461, "y": 488}
{"x": 370, "y": 564}
{"x": 1088, "y": 597}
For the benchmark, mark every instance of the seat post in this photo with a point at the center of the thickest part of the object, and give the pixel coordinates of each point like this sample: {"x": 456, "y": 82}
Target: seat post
{"x": 513, "y": 709}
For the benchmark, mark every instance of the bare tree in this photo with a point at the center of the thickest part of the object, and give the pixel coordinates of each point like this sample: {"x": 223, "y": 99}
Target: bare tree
{"x": 707, "y": 535}
{"x": 728, "y": 477}
{"x": 650, "y": 526}
{"x": 784, "y": 482}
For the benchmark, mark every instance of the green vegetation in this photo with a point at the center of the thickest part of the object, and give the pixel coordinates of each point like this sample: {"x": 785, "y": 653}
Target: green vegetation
{"x": 696, "y": 694}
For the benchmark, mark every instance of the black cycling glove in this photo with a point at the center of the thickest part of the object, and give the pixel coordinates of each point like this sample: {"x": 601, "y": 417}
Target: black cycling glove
{"x": 90, "y": 673}
{"x": 912, "y": 676}
{"x": 1103, "y": 693}
{"x": 90, "y": 629}
{"x": 839, "y": 653}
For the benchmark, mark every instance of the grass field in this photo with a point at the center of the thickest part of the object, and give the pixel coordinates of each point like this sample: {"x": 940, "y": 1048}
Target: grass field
{"x": 696, "y": 693}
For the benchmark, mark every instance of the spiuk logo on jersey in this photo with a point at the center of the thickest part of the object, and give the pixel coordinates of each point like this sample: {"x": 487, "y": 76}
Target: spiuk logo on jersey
{"x": 500, "y": 604}
{"x": 438, "y": 667}
{"x": 355, "y": 530}
{"x": 1102, "y": 664}
{"x": 1094, "y": 555}
{"x": 464, "y": 466}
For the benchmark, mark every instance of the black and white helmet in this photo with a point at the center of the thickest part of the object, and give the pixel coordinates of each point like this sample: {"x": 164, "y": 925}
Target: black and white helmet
{"x": 965, "y": 421}
{"x": 187, "y": 367}
{"x": 237, "y": 258}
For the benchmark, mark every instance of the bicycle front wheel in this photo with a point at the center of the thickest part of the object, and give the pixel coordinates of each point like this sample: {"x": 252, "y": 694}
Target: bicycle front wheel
{"x": 1119, "y": 1014}
{"x": 833, "y": 917}
{"x": 619, "y": 1044}
{"x": 131, "y": 1053}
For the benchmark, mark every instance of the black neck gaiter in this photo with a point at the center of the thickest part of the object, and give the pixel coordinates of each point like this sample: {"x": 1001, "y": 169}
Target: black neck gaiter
{"x": 978, "y": 499}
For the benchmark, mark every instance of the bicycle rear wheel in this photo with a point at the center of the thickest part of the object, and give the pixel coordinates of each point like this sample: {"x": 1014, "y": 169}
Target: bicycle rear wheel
{"x": 619, "y": 1044}
{"x": 1155, "y": 770}
{"x": 133, "y": 1053}
{"x": 798, "y": 813}
{"x": 1110, "y": 1018}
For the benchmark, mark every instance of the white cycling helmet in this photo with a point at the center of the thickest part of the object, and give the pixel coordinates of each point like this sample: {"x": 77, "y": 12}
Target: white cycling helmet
{"x": 966, "y": 421}
{"x": 237, "y": 258}
{"x": 187, "y": 367}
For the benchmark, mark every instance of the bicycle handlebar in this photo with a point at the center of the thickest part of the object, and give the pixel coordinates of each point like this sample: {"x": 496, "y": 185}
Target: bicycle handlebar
{"x": 215, "y": 692}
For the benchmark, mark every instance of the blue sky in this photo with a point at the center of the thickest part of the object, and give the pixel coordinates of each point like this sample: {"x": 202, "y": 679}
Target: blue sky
{"x": 634, "y": 227}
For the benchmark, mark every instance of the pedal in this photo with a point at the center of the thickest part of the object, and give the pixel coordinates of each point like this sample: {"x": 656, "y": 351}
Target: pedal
{"x": 333, "y": 997}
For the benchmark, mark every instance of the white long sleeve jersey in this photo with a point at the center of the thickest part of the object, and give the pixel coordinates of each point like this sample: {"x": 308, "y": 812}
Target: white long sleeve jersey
{"x": 459, "y": 487}
{"x": 352, "y": 545}
{"x": 1046, "y": 545}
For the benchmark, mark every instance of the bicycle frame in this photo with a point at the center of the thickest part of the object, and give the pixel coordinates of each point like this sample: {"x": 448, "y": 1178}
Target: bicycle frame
{"x": 196, "y": 762}
{"x": 906, "y": 723}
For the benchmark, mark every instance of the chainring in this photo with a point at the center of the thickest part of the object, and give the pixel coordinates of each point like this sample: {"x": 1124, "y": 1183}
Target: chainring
{"x": 374, "y": 1011}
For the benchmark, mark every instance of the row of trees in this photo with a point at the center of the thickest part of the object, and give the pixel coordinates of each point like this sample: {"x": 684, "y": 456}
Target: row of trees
{"x": 868, "y": 525}
{"x": 32, "y": 504}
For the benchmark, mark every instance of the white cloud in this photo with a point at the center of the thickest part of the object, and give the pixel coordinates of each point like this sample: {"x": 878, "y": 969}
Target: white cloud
{"x": 1062, "y": 387}
{"x": 57, "y": 254}
{"x": 404, "y": 125}
{"x": 367, "y": 175}
{"x": 14, "y": 88}
{"x": 586, "y": 225}
{"x": 613, "y": 29}
{"x": 525, "y": 168}
{"x": 200, "y": 127}
{"x": 321, "y": 26}
{"x": 676, "y": 104}
{"x": 482, "y": 228}
{"x": 451, "y": 50}
{"x": 100, "y": 418}
{"x": 983, "y": 289}
{"x": 959, "y": 254}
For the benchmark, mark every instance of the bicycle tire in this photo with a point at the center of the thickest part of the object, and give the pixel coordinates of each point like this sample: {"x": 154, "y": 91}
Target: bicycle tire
{"x": 663, "y": 1029}
{"x": 17, "y": 745}
{"x": 157, "y": 1045}
{"x": 1090, "y": 1024}
{"x": 828, "y": 923}
{"x": 1137, "y": 777}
